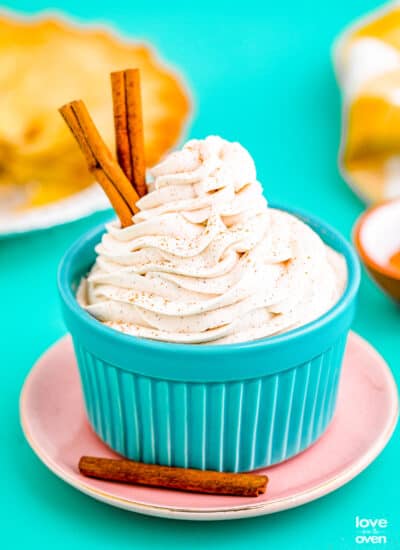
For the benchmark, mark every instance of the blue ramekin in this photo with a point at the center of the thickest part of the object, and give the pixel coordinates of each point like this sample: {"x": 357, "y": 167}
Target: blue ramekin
{"x": 233, "y": 407}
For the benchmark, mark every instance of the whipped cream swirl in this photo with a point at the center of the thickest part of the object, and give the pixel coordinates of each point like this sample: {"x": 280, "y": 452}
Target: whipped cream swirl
{"x": 206, "y": 260}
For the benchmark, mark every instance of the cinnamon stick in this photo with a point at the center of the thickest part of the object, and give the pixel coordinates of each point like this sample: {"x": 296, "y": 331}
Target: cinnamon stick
{"x": 100, "y": 162}
{"x": 128, "y": 124}
{"x": 182, "y": 479}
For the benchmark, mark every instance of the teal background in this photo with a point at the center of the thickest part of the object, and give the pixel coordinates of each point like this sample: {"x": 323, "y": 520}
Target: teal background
{"x": 260, "y": 74}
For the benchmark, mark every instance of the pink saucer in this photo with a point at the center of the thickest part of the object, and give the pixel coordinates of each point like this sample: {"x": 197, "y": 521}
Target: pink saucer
{"x": 55, "y": 425}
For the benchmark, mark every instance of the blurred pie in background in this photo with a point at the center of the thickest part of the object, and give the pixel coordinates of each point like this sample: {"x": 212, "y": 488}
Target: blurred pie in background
{"x": 44, "y": 62}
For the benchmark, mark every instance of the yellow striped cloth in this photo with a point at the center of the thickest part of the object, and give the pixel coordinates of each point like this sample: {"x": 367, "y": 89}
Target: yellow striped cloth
{"x": 367, "y": 63}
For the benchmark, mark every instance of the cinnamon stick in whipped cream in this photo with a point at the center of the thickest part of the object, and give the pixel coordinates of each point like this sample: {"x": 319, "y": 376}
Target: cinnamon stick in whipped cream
{"x": 100, "y": 162}
{"x": 182, "y": 479}
{"x": 128, "y": 124}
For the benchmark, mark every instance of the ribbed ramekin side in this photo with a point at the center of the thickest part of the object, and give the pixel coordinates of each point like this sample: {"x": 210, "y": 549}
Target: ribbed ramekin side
{"x": 89, "y": 393}
{"x": 305, "y": 404}
{"x": 289, "y": 411}
{"x": 233, "y": 426}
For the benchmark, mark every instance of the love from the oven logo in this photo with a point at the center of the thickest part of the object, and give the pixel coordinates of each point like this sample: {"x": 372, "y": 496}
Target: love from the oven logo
{"x": 369, "y": 530}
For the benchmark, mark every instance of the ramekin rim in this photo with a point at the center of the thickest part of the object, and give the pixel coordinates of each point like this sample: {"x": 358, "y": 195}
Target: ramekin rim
{"x": 354, "y": 275}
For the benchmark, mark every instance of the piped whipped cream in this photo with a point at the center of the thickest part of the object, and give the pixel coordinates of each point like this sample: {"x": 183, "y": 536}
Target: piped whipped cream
{"x": 206, "y": 260}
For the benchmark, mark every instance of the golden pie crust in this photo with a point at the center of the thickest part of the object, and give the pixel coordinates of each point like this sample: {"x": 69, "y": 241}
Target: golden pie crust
{"x": 46, "y": 62}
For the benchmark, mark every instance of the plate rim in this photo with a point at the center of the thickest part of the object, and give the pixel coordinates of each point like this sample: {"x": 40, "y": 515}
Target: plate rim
{"x": 217, "y": 513}
{"x": 79, "y": 205}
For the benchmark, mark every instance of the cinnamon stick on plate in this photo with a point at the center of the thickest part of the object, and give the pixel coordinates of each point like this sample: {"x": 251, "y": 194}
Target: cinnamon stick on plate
{"x": 182, "y": 479}
{"x": 129, "y": 126}
{"x": 100, "y": 161}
